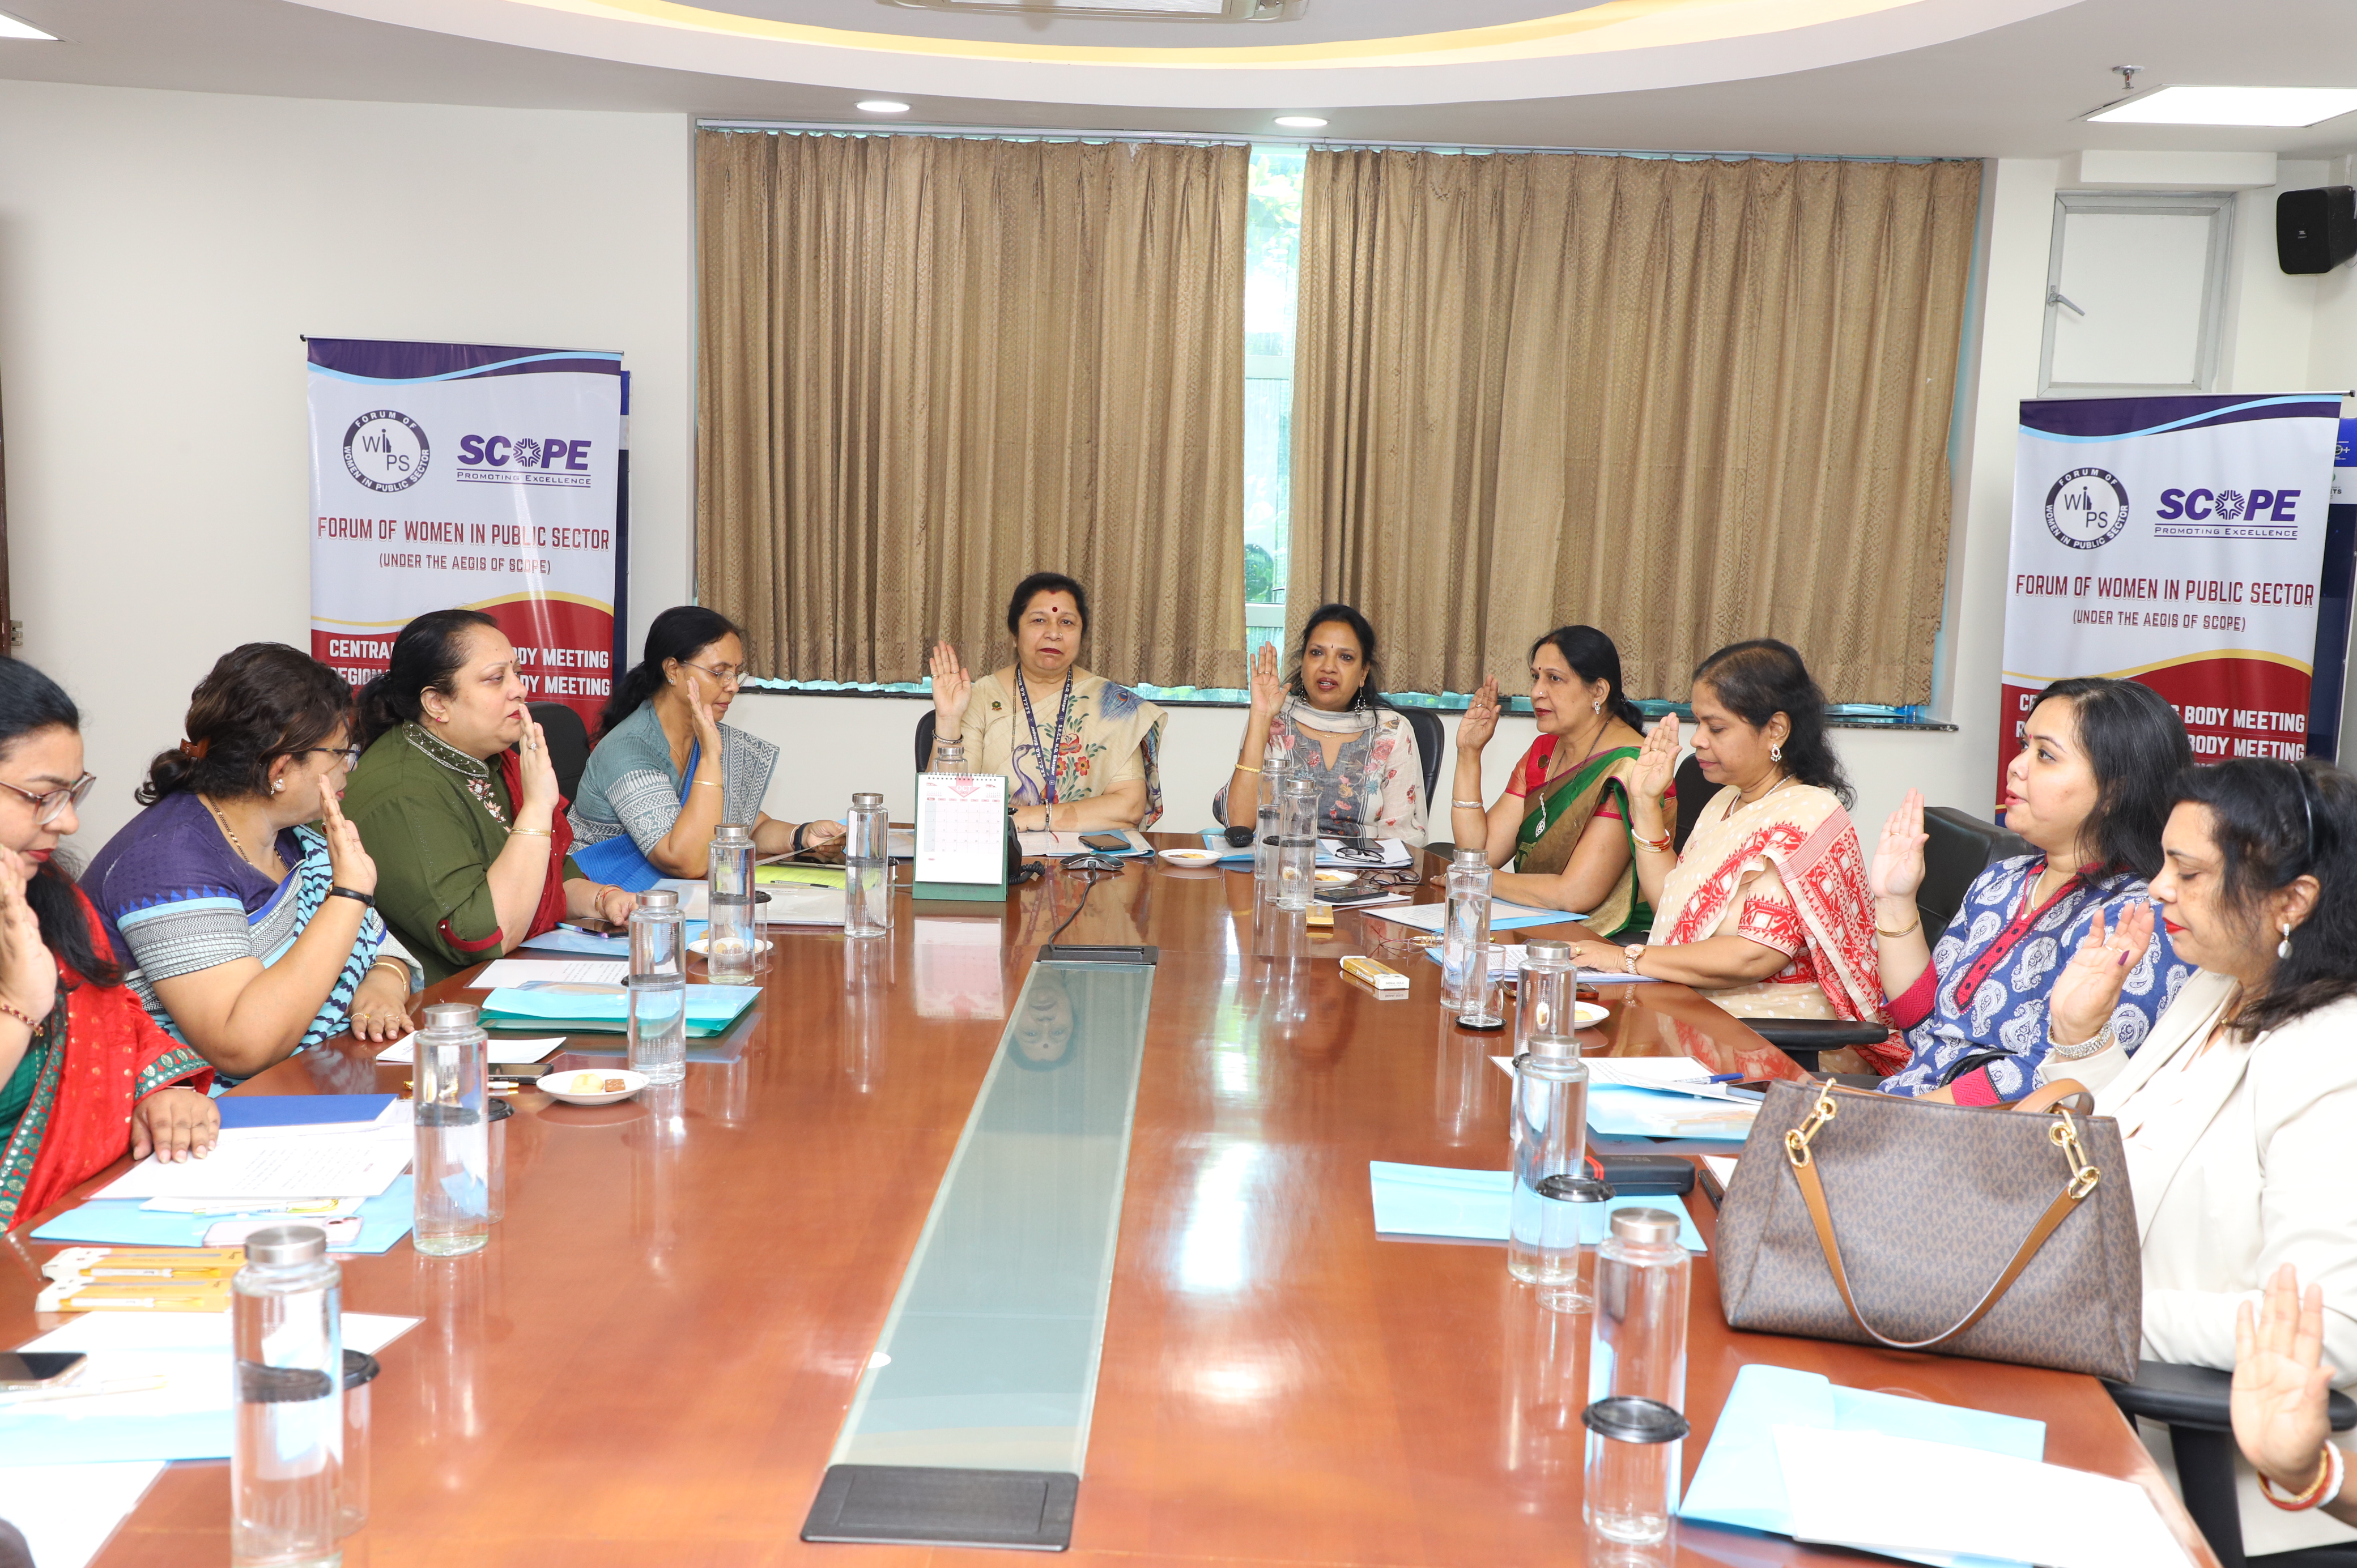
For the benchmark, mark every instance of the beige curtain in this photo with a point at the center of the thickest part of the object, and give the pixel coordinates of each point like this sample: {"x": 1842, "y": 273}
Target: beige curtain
{"x": 1687, "y": 402}
{"x": 930, "y": 366}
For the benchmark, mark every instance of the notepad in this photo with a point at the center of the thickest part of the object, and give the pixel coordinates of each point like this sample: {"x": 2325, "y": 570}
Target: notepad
{"x": 564, "y": 938}
{"x": 256, "y": 1164}
{"x": 403, "y": 1052}
{"x": 1474, "y": 1205}
{"x": 510, "y": 972}
{"x": 127, "y": 1222}
{"x": 1615, "y": 1111}
{"x": 299, "y": 1109}
{"x": 1503, "y": 917}
{"x": 710, "y": 1008}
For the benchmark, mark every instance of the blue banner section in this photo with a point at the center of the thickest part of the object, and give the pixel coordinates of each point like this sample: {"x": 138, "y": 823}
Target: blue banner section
{"x": 374, "y": 360}
{"x": 2332, "y": 608}
{"x": 2118, "y": 418}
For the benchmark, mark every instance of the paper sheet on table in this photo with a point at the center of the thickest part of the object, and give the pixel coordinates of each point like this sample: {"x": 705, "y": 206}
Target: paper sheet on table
{"x": 250, "y": 1164}
{"x": 1391, "y": 853}
{"x": 1723, "y": 1167}
{"x": 1473, "y": 1206}
{"x": 564, "y": 938}
{"x": 802, "y": 904}
{"x": 1503, "y": 917}
{"x": 1055, "y": 846}
{"x": 1617, "y": 1111}
{"x": 403, "y": 1052}
{"x": 694, "y": 898}
{"x": 545, "y": 970}
{"x": 1740, "y": 1480}
{"x": 189, "y": 1417}
{"x": 2056, "y": 1516}
{"x": 1667, "y": 1075}
{"x": 66, "y": 1512}
{"x": 127, "y": 1222}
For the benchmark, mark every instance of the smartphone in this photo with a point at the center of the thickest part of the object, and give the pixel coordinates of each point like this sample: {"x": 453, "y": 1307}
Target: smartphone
{"x": 1346, "y": 896}
{"x": 1106, "y": 841}
{"x": 22, "y": 1369}
{"x": 595, "y": 926}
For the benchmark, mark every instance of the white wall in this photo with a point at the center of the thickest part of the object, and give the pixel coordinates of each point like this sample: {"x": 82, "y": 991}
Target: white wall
{"x": 160, "y": 253}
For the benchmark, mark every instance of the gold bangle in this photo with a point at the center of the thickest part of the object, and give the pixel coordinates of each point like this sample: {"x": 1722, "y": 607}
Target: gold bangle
{"x": 532, "y": 832}
{"x": 711, "y": 783}
{"x": 1246, "y": 768}
{"x": 26, "y": 1019}
{"x": 1908, "y": 929}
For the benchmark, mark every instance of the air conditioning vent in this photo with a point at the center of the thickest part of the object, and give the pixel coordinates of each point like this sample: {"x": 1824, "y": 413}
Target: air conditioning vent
{"x": 1129, "y": 10}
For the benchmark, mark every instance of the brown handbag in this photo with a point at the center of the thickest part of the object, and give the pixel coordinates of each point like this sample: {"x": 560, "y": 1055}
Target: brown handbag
{"x": 2007, "y": 1235}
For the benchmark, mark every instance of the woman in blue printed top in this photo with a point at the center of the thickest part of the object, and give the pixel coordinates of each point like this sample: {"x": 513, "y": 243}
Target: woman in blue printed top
{"x": 240, "y": 903}
{"x": 2090, "y": 790}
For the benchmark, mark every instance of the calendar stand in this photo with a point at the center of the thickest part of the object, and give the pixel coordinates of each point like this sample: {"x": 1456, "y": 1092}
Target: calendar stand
{"x": 960, "y": 839}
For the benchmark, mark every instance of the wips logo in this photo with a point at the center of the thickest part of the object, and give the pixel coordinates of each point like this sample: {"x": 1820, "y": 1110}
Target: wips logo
{"x": 386, "y": 450}
{"x": 2204, "y": 513}
{"x": 2087, "y": 508}
{"x": 523, "y": 461}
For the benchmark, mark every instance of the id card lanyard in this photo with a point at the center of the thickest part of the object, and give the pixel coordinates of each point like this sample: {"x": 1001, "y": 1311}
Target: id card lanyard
{"x": 1047, "y": 758}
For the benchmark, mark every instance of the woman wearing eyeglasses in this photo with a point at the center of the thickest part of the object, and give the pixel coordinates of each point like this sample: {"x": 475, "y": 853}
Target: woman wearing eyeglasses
{"x": 85, "y": 1075}
{"x": 246, "y": 930}
{"x": 667, "y": 772}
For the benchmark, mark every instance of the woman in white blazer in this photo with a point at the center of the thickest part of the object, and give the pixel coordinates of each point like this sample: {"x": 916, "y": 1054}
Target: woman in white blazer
{"x": 2238, "y": 1114}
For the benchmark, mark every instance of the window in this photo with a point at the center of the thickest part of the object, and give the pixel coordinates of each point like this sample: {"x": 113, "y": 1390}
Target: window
{"x": 1273, "y": 235}
{"x": 2136, "y": 292}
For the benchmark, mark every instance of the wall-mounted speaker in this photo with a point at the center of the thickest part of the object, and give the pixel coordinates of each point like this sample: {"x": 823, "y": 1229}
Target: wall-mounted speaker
{"x": 2315, "y": 230}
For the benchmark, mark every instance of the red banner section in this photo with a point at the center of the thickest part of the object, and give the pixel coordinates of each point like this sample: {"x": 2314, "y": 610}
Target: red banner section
{"x": 565, "y": 651}
{"x": 2232, "y": 707}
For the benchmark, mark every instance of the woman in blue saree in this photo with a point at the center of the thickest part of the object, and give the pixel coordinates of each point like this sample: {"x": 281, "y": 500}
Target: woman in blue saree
{"x": 667, "y": 771}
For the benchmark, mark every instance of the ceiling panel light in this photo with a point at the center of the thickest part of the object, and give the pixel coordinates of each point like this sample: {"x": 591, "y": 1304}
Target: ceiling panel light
{"x": 881, "y": 106}
{"x": 10, "y": 27}
{"x": 2175, "y": 105}
{"x": 1301, "y": 122}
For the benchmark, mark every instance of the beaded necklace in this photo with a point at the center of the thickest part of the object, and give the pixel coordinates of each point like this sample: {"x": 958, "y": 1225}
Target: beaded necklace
{"x": 473, "y": 770}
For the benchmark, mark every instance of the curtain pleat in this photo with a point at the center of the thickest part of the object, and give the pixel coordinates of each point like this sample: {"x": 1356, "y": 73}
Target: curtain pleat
{"x": 1687, "y": 402}
{"x": 929, "y": 366}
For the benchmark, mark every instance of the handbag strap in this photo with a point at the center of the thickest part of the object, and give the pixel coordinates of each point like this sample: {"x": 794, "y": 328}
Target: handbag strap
{"x": 2063, "y": 1135}
{"x": 2046, "y": 1097}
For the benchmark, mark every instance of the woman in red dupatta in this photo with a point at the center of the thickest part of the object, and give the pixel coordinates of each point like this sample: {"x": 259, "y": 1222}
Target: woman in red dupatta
{"x": 85, "y": 1075}
{"x": 1767, "y": 911}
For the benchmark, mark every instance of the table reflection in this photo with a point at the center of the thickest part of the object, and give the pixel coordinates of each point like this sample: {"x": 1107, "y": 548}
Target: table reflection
{"x": 866, "y": 1008}
{"x": 960, "y": 967}
{"x": 1470, "y": 1095}
{"x": 657, "y": 1142}
{"x": 1544, "y": 1388}
{"x": 456, "y": 1297}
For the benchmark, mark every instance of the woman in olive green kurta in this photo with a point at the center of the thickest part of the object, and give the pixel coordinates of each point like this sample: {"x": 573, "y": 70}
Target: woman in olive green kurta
{"x": 467, "y": 833}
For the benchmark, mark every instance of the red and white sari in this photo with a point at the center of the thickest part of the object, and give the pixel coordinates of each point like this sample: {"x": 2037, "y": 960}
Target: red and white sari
{"x": 1787, "y": 871}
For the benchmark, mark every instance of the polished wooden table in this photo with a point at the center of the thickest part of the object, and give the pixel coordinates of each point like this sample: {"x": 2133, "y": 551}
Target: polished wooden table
{"x": 650, "y": 1361}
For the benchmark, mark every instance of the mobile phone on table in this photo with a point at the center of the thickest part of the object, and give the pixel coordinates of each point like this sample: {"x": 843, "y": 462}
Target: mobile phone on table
{"x": 594, "y": 926}
{"x": 22, "y": 1369}
{"x": 1346, "y": 896}
{"x": 1106, "y": 841}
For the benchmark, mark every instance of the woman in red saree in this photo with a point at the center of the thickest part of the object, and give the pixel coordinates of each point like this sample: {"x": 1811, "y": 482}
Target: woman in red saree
{"x": 85, "y": 1075}
{"x": 1767, "y": 911}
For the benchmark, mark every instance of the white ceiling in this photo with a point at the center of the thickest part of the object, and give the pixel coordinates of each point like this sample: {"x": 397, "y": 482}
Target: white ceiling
{"x": 2013, "y": 91}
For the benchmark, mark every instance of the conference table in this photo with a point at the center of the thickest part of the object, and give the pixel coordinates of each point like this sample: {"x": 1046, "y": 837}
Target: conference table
{"x": 650, "y": 1361}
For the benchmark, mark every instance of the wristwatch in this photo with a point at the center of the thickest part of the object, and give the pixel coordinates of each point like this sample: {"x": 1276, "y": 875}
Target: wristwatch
{"x": 1630, "y": 954}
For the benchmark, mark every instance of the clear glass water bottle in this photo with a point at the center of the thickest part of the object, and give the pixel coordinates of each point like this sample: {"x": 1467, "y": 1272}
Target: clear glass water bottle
{"x": 287, "y": 1449}
{"x": 728, "y": 939}
{"x": 1555, "y": 1199}
{"x": 657, "y": 1038}
{"x": 1274, "y": 772}
{"x": 1637, "y": 1378}
{"x": 1545, "y": 986}
{"x": 1468, "y": 932}
{"x": 867, "y": 868}
{"x": 452, "y": 1170}
{"x": 1297, "y": 844}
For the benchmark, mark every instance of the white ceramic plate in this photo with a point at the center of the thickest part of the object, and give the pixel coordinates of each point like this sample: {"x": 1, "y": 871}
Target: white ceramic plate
{"x": 1193, "y": 859}
{"x": 559, "y": 1085}
{"x": 1588, "y": 1014}
{"x": 1330, "y": 877}
{"x": 696, "y": 947}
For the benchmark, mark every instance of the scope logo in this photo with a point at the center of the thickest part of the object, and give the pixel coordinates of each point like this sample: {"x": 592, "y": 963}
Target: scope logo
{"x": 2228, "y": 506}
{"x": 386, "y": 450}
{"x": 2087, "y": 508}
{"x": 545, "y": 453}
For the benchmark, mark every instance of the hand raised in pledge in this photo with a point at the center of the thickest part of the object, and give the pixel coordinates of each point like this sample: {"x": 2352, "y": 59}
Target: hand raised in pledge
{"x": 1267, "y": 682}
{"x": 1898, "y": 868}
{"x": 1657, "y": 764}
{"x": 539, "y": 774}
{"x": 951, "y": 687}
{"x": 2281, "y": 1383}
{"x": 2088, "y": 989}
{"x": 348, "y": 864}
{"x": 1480, "y": 720}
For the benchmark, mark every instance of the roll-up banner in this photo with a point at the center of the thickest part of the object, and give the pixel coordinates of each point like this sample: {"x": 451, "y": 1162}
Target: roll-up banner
{"x": 463, "y": 475}
{"x": 2179, "y": 542}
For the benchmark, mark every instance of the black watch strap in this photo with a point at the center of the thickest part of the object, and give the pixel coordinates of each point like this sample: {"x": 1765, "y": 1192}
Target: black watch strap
{"x": 366, "y": 900}
{"x": 798, "y": 836}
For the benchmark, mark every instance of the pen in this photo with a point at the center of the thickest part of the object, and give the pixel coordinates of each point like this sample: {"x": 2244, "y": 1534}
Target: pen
{"x": 1724, "y": 1078}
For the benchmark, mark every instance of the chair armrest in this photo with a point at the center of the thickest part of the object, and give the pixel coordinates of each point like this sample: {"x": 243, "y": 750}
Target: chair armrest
{"x": 1817, "y": 1034}
{"x": 2200, "y": 1397}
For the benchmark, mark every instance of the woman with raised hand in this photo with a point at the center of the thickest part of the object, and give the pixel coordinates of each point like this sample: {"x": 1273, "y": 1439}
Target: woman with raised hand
{"x": 667, "y": 771}
{"x": 2090, "y": 789}
{"x": 1767, "y": 911}
{"x": 245, "y": 930}
{"x": 2281, "y": 1412}
{"x": 85, "y": 1075}
{"x": 457, "y": 803}
{"x": 2235, "y": 1114}
{"x": 1080, "y": 753}
{"x": 1329, "y": 721}
{"x": 1564, "y": 823}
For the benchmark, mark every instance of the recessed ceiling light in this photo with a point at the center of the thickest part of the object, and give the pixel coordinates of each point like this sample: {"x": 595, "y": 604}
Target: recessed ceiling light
{"x": 881, "y": 106}
{"x": 1301, "y": 122}
{"x": 10, "y": 27}
{"x": 2175, "y": 105}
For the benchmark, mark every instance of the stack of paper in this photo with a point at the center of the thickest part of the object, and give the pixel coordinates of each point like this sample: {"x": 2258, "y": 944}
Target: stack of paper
{"x": 189, "y": 1222}
{"x": 277, "y": 1162}
{"x": 1503, "y": 917}
{"x": 542, "y": 971}
{"x": 1474, "y": 1205}
{"x": 711, "y": 1009}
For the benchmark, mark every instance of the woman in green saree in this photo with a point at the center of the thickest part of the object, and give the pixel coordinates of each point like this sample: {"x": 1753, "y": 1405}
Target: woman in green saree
{"x": 1562, "y": 822}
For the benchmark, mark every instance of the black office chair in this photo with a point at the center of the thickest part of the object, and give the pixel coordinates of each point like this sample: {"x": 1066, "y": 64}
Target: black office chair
{"x": 2192, "y": 1403}
{"x": 1431, "y": 736}
{"x": 568, "y": 743}
{"x": 1961, "y": 846}
{"x": 1694, "y": 791}
{"x": 925, "y": 739}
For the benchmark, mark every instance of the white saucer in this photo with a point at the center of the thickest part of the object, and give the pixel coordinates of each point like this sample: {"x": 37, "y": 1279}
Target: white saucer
{"x": 1192, "y": 859}
{"x": 696, "y": 947}
{"x": 555, "y": 1085}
